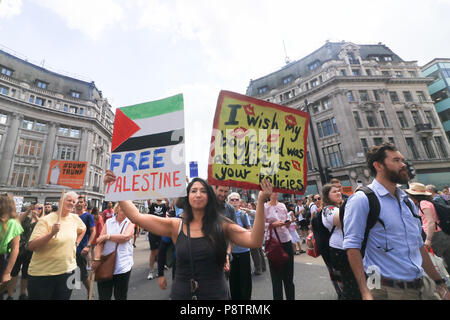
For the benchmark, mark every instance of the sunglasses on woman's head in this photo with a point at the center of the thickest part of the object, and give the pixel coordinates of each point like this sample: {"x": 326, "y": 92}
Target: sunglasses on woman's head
{"x": 234, "y": 199}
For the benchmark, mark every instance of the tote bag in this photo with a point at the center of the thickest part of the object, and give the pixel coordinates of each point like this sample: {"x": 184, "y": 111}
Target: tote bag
{"x": 274, "y": 250}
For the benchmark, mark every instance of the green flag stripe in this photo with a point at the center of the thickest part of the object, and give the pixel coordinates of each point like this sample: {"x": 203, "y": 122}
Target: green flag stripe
{"x": 154, "y": 108}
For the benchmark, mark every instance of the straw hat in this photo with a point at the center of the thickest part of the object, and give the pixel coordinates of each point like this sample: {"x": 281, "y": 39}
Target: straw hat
{"x": 416, "y": 188}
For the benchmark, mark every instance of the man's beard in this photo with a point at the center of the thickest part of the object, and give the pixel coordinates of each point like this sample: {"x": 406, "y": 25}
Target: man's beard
{"x": 397, "y": 177}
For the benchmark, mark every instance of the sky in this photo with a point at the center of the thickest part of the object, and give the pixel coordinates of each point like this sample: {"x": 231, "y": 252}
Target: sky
{"x": 143, "y": 50}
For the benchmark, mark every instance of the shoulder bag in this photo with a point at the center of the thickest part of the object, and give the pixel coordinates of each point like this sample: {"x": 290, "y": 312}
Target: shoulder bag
{"x": 105, "y": 271}
{"x": 274, "y": 250}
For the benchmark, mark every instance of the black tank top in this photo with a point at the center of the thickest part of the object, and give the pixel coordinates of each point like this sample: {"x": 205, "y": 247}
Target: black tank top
{"x": 210, "y": 277}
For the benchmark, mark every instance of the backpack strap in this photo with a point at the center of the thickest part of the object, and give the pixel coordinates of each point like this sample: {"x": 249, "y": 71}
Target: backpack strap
{"x": 373, "y": 217}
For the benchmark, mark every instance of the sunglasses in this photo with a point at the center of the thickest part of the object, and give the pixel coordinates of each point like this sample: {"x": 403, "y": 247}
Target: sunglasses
{"x": 317, "y": 199}
{"x": 234, "y": 199}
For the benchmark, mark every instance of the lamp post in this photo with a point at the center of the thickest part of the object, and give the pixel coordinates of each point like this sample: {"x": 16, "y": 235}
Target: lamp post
{"x": 316, "y": 149}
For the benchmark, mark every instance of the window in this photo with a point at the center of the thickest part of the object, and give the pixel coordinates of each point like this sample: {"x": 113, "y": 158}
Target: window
{"x": 428, "y": 148}
{"x": 31, "y": 100}
{"x": 27, "y": 124}
{"x": 66, "y": 152}
{"x": 394, "y": 96}
{"x": 262, "y": 90}
{"x": 387, "y": 58}
{"x": 355, "y": 72}
{"x": 74, "y": 133}
{"x": 314, "y": 65}
{"x": 327, "y": 127}
{"x": 308, "y": 159}
{"x": 28, "y": 147}
{"x": 412, "y": 148}
{"x": 368, "y": 72}
{"x": 23, "y": 176}
{"x": 333, "y": 156}
{"x": 408, "y": 96}
{"x": 386, "y": 73}
{"x": 357, "y": 119}
{"x": 377, "y": 141}
{"x": 352, "y": 59}
{"x": 343, "y": 72}
{"x": 73, "y": 109}
{"x": 315, "y": 108}
{"x": 3, "y": 118}
{"x": 287, "y": 79}
{"x": 421, "y": 96}
{"x": 350, "y": 96}
{"x": 430, "y": 118}
{"x": 376, "y": 94}
{"x": 41, "y": 84}
{"x": 4, "y": 90}
{"x": 391, "y": 140}
{"x": 363, "y": 95}
{"x": 412, "y": 74}
{"x": 402, "y": 119}
{"x": 7, "y": 72}
{"x": 325, "y": 104}
{"x": 75, "y": 94}
{"x": 314, "y": 83}
{"x": 39, "y": 101}
{"x": 63, "y": 131}
{"x": 371, "y": 119}
{"x": 364, "y": 145}
{"x": 441, "y": 147}
{"x": 384, "y": 119}
{"x": 416, "y": 118}
{"x": 399, "y": 74}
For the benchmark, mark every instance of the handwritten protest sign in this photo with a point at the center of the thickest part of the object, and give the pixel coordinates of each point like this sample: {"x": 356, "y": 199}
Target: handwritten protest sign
{"x": 148, "y": 151}
{"x": 67, "y": 173}
{"x": 254, "y": 139}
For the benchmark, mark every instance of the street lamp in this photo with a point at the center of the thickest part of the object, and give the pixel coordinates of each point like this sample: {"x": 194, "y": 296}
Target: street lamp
{"x": 323, "y": 179}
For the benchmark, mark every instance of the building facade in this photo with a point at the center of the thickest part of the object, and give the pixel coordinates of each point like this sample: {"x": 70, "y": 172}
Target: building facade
{"x": 47, "y": 116}
{"x": 439, "y": 90}
{"x": 359, "y": 96}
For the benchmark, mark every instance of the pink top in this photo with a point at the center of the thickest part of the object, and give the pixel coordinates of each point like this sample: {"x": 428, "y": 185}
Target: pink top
{"x": 277, "y": 213}
{"x": 428, "y": 205}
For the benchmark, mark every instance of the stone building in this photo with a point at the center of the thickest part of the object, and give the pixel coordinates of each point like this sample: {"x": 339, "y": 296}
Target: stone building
{"x": 359, "y": 96}
{"x": 47, "y": 116}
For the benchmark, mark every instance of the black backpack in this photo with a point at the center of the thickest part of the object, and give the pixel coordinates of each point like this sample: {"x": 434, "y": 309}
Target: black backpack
{"x": 443, "y": 213}
{"x": 307, "y": 214}
{"x": 322, "y": 236}
{"x": 374, "y": 214}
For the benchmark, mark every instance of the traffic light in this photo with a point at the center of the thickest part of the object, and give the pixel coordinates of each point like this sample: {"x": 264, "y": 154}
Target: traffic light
{"x": 411, "y": 171}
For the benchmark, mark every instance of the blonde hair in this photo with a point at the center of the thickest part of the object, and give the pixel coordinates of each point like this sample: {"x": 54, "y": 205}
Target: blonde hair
{"x": 7, "y": 209}
{"x": 116, "y": 208}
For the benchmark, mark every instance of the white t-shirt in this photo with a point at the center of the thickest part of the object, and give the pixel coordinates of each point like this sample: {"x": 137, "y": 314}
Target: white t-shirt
{"x": 337, "y": 238}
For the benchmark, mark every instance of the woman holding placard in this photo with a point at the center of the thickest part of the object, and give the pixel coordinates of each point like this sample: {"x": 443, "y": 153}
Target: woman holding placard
{"x": 201, "y": 239}
{"x": 53, "y": 242}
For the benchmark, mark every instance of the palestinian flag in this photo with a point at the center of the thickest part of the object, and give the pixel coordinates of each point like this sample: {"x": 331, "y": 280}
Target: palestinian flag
{"x": 149, "y": 125}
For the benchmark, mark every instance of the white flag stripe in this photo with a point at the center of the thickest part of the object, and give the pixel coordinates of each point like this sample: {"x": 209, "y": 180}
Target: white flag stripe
{"x": 162, "y": 123}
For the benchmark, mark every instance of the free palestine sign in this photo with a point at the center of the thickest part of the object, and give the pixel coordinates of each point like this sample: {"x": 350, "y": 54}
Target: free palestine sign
{"x": 148, "y": 151}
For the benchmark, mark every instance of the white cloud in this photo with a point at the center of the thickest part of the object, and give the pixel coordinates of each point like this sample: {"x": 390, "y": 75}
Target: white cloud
{"x": 90, "y": 17}
{"x": 10, "y": 8}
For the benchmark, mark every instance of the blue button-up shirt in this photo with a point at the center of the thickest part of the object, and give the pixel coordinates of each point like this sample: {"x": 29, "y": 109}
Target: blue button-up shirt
{"x": 396, "y": 250}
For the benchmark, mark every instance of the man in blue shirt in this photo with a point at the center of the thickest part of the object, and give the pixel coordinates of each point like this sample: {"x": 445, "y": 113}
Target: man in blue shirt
{"x": 84, "y": 246}
{"x": 396, "y": 250}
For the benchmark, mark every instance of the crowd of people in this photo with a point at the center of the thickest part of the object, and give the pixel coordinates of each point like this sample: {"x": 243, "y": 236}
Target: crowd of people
{"x": 215, "y": 241}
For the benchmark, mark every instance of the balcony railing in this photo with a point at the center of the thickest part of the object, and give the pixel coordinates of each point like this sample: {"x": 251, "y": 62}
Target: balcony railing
{"x": 421, "y": 127}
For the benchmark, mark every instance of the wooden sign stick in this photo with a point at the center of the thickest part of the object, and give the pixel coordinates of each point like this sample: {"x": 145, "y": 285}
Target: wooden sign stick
{"x": 61, "y": 202}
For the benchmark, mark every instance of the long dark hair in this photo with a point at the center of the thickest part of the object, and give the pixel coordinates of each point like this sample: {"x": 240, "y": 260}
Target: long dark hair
{"x": 211, "y": 222}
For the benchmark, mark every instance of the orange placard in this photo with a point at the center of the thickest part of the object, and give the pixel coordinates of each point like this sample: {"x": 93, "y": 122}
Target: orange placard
{"x": 347, "y": 190}
{"x": 67, "y": 173}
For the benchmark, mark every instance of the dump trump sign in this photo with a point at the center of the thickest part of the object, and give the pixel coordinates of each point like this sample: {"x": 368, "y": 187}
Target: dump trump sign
{"x": 148, "y": 151}
{"x": 254, "y": 139}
